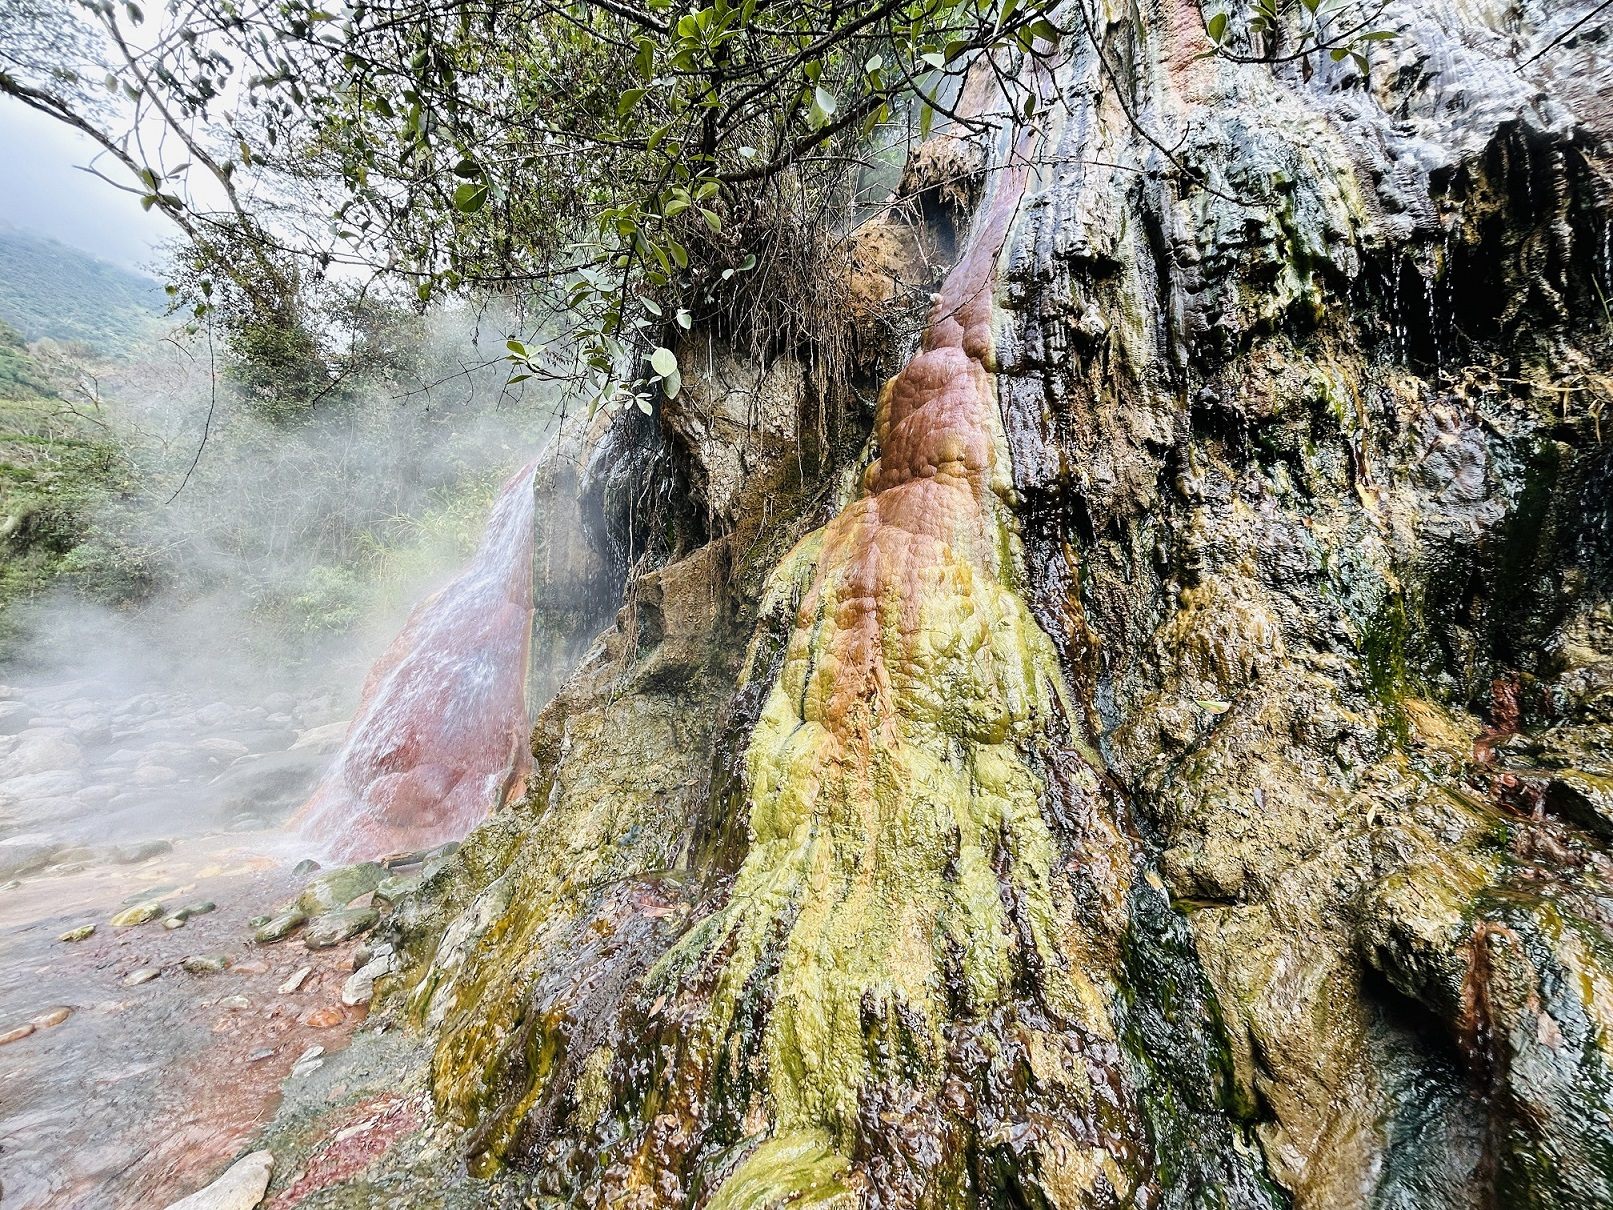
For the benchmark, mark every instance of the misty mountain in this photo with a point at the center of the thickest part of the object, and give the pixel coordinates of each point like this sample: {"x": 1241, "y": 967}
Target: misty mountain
{"x": 49, "y": 289}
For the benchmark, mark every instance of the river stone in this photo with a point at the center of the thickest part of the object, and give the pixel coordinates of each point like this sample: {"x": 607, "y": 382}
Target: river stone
{"x": 339, "y": 887}
{"x": 359, "y": 987}
{"x": 78, "y": 934}
{"x": 343, "y": 924}
{"x": 215, "y": 715}
{"x": 294, "y": 980}
{"x": 150, "y": 892}
{"x": 240, "y": 1188}
{"x": 17, "y": 1034}
{"x": 281, "y": 926}
{"x": 25, "y": 854}
{"x": 306, "y": 866}
{"x": 205, "y": 964}
{"x": 143, "y": 974}
{"x": 218, "y": 748}
{"x": 43, "y": 752}
{"x": 390, "y": 890}
{"x": 14, "y": 717}
{"x": 199, "y": 907}
{"x": 324, "y": 740}
{"x": 142, "y": 850}
{"x": 269, "y": 782}
{"x": 140, "y": 913}
{"x": 47, "y": 783}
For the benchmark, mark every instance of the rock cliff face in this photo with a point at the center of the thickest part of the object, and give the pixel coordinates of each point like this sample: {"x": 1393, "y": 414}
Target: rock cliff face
{"x": 1172, "y": 763}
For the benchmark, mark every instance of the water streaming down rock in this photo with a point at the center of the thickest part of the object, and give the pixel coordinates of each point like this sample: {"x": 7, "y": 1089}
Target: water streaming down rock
{"x": 440, "y": 736}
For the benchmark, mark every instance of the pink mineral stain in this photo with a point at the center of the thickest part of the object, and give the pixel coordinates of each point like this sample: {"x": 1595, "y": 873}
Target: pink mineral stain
{"x": 441, "y": 733}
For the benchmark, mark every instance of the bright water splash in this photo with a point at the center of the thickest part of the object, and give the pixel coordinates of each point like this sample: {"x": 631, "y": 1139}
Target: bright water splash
{"x": 441, "y": 733}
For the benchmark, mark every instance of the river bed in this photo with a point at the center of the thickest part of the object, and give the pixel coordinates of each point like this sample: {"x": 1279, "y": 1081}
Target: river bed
{"x": 125, "y": 1088}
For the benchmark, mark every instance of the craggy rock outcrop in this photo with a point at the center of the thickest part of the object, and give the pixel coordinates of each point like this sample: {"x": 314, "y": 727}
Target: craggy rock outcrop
{"x": 1173, "y": 766}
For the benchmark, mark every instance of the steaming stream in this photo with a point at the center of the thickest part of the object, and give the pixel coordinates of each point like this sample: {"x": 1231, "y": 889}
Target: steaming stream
{"x": 138, "y": 1058}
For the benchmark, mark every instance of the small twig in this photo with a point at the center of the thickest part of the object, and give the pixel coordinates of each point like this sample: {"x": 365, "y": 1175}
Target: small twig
{"x": 207, "y": 425}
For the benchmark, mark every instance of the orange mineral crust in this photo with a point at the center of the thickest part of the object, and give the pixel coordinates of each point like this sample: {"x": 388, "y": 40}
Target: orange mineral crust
{"x": 898, "y": 867}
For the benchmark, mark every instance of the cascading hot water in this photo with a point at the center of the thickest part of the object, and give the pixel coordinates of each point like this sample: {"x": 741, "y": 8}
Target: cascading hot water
{"x": 441, "y": 733}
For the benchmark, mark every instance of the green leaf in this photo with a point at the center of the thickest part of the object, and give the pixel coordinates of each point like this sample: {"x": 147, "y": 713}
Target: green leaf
{"x": 468, "y": 168}
{"x": 672, "y": 383}
{"x": 1214, "y": 707}
{"x": 644, "y": 60}
{"x": 516, "y": 347}
{"x": 470, "y": 197}
{"x": 934, "y": 59}
{"x": 685, "y": 320}
{"x": 1218, "y": 27}
{"x": 651, "y": 306}
{"x": 628, "y": 100}
{"x": 712, "y": 220}
{"x": 664, "y": 361}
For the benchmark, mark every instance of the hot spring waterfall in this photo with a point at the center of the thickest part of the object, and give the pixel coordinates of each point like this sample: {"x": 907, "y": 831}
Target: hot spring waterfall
{"x": 440, "y": 736}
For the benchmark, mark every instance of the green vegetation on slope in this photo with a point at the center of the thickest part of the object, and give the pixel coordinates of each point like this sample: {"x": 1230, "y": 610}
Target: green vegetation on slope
{"x": 58, "y": 464}
{"x": 48, "y": 289}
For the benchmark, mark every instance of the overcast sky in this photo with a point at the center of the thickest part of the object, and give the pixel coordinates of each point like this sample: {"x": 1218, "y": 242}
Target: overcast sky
{"x": 44, "y": 191}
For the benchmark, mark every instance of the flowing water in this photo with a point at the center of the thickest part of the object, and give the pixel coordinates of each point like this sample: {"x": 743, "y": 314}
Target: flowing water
{"x": 441, "y": 735}
{"x": 127, "y": 1077}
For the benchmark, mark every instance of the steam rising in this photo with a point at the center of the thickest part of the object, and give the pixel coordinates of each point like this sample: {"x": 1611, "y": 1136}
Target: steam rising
{"x": 200, "y": 671}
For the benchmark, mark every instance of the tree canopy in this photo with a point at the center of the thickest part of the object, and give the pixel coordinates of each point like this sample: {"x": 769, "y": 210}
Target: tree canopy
{"x": 624, "y": 162}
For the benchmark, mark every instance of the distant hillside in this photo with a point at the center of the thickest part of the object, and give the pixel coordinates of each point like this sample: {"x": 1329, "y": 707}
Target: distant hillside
{"x": 50, "y": 289}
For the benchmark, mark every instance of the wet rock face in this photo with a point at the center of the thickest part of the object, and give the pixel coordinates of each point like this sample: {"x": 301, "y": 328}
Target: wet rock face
{"x": 1179, "y": 771}
{"x": 1311, "y": 463}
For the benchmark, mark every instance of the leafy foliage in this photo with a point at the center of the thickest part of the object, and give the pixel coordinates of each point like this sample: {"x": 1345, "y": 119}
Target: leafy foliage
{"x": 1282, "y": 31}
{"x": 594, "y": 154}
{"x": 624, "y": 165}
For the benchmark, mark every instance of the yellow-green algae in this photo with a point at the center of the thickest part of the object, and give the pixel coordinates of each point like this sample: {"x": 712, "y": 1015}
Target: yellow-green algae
{"x": 895, "y": 814}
